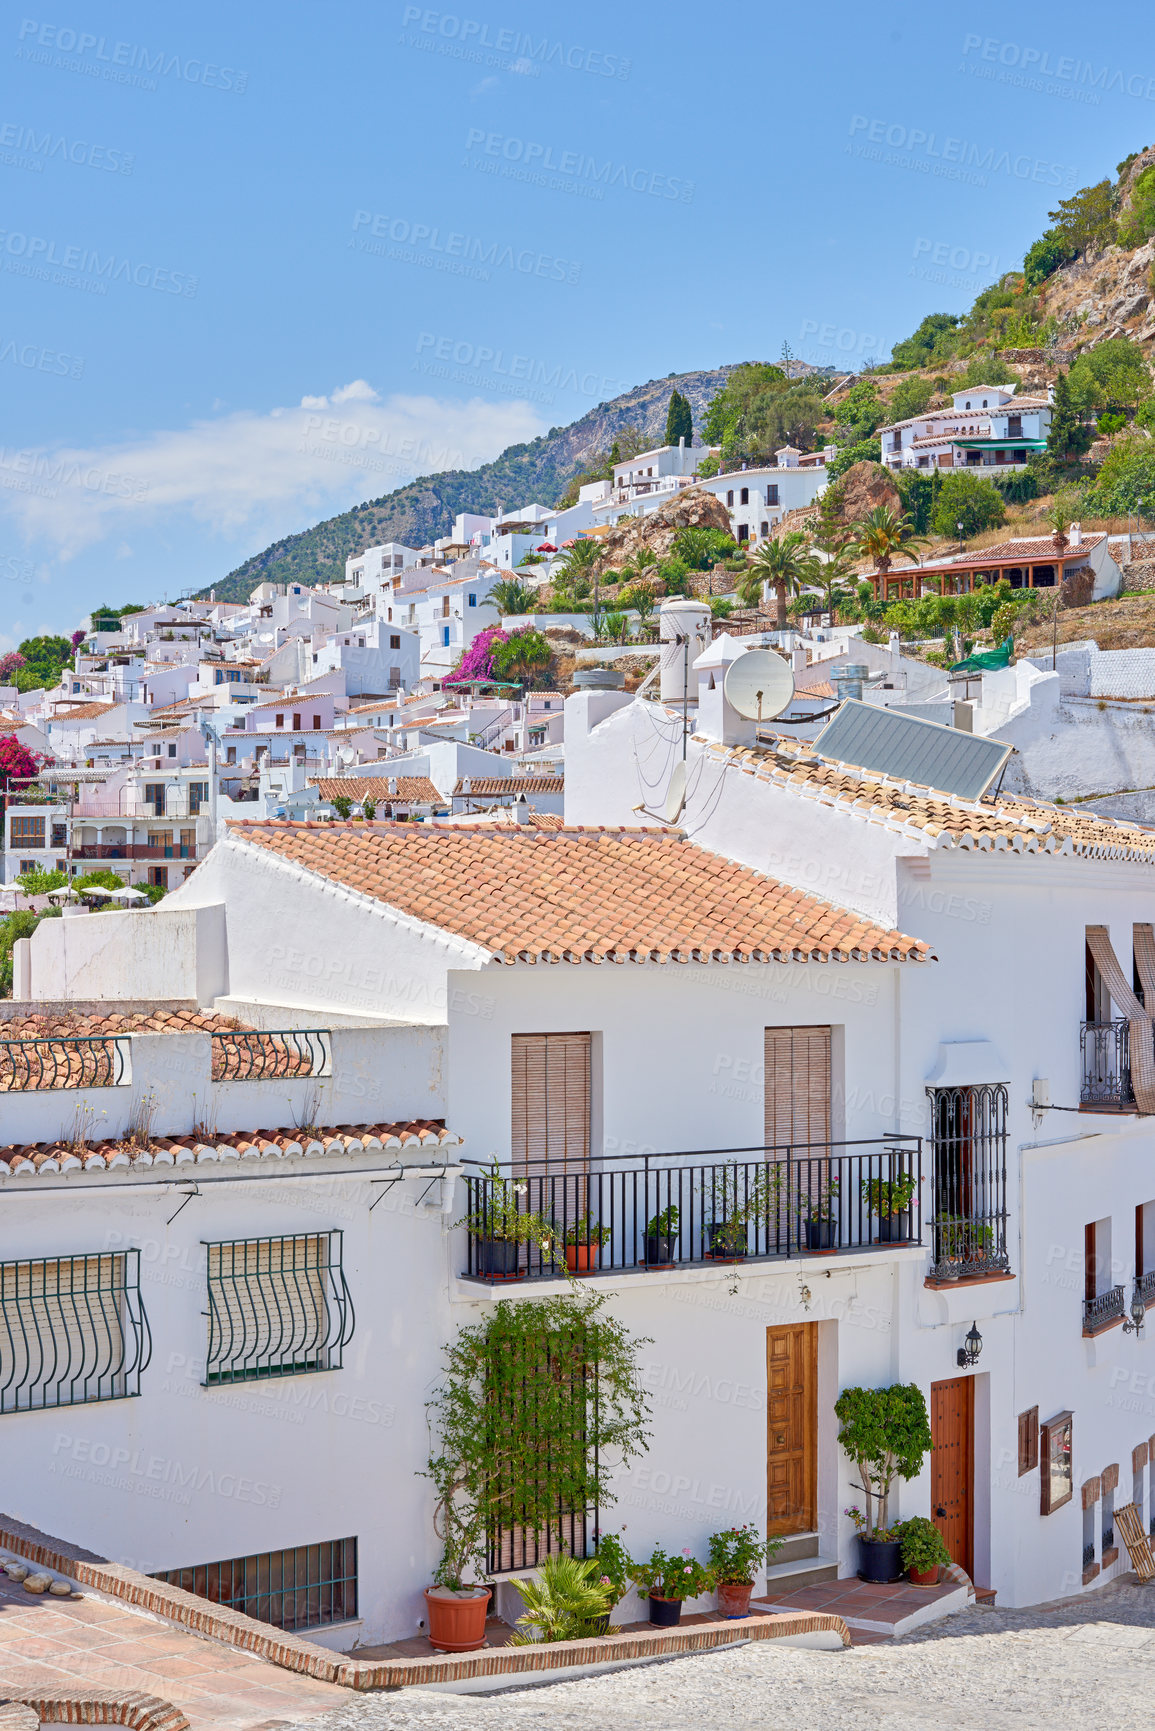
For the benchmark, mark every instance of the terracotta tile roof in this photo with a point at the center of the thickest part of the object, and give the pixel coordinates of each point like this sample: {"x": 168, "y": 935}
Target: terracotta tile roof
{"x": 64, "y": 1051}
{"x": 1008, "y": 823}
{"x": 511, "y": 784}
{"x": 86, "y": 711}
{"x": 416, "y": 789}
{"x": 45, "y": 1159}
{"x": 1040, "y": 548}
{"x": 527, "y": 894}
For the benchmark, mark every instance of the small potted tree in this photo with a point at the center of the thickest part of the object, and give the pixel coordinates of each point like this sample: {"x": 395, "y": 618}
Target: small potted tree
{"x": 886, "y": 1433}
{"x": 661, "y": 1232}
{"x": 820, "y": 1216}
{"x": 457, "y": 1609}
{"x": 890, "y": 1200}
{"x": 584, "y": 1241}
{"x": 667, "y": 1580}
{"x": 924, "y": 1553}
{"x": 500, "y": 1226}
{"x": 735, "y": 1558}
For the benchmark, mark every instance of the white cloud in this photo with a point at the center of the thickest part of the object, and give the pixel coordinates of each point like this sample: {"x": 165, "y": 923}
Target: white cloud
{"x": 248, "y": 471}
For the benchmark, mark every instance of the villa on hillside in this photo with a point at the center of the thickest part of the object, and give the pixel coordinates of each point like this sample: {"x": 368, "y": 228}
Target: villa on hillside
{"x": 988, "y": 426}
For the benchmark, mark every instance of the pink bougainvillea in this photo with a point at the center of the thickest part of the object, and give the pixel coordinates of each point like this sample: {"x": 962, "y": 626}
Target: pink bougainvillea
{"x": 10, "y": 664}
{"x": 17, "y": 763}
{"x": 77, "y": 639}
{"x": 477, "y": 661}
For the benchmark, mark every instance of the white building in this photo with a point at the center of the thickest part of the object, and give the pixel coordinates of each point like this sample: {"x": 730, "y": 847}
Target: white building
{"x": 757, "y": 498}
{"x": 989, "y": 426}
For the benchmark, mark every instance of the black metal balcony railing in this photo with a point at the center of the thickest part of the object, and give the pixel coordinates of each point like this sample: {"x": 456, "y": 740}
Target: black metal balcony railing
{"x": 1106, "y": 1048}
{"x": 1145, "y": 1288}
{"x": 698, "y": 1208}
{"x": 243, "y": 1055}
{"x": 86, "y": 1061}
{"x": 131, "y": 850}
{"x": 1103, "y": 1311}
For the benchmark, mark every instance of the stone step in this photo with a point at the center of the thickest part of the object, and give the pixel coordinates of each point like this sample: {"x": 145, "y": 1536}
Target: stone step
{"x": 801, "y": 1572}
{"x": 796, "y": 1545}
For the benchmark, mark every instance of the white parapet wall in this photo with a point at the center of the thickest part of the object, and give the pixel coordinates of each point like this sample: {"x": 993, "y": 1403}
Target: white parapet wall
{"x": 163, "y": 953}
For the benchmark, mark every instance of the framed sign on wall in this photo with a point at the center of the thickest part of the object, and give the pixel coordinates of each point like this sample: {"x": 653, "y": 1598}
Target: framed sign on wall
{"x": 1056, "y": 1462}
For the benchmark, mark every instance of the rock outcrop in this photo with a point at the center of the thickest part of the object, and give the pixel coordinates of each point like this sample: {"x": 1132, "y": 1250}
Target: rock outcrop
{"x": 691, "y": 508}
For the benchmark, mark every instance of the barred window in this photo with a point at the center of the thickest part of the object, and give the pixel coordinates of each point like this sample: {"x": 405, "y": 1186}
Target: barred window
{"x": 277, "y": 1307}
{"x": 303, "y": 1588}
{"x": 27, "y": 832}
{"x": 72, "y": 1329}
{"x": 970, "y": 1180}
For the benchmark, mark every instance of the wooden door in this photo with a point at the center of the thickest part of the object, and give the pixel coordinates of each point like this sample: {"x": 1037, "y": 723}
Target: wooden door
{"x": 791, "y": 1428}
{"x": 952, "y": 1466}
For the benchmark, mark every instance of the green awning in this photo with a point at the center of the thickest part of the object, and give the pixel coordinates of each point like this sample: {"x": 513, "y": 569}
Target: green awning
{"x": 1000, "y": 444}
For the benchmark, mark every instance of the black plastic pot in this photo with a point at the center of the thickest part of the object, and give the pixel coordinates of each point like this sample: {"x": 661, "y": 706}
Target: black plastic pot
{"x": 821, "y": 1234}
{"x": 879, "y": 1559}
{"x": 726, "y": 1241}
{"x": 659, "y": 1249}
{"x": 497, "y": 1256}
{"x": 665, "y": 1613}
{"x": 892, "y": 1229}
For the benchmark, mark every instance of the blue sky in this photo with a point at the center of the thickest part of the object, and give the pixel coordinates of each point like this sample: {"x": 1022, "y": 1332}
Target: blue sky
{"x": 262, "y": 262}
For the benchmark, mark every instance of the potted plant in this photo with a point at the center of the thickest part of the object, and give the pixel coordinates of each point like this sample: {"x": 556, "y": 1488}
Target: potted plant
{"x": 583, "y": 1244}
{"x": 735, "y": 1558}
{"x": 924, "y": 1553}
{"x": 616, "y": 1567}
{"x": 567, "y": 1601}
{"x": 661, "y": 1231}
{"x": 736, "y": 1202}
{"x": 890, "y": 1199}
{"x": 960, "y": 1242}
{"x": 886, "y": 1433}
{"x": 820, "y": 1216}
{"x": 667, "y": 1580}
{"x": 500, "y": 1226}
{"x": 456, "y": 1610}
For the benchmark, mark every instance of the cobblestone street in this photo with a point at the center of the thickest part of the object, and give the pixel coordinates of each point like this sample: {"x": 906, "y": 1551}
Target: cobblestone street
{"x": 983, "y": 1670}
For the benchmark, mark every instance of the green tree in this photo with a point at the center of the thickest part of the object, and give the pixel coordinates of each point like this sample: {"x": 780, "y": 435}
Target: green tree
{"x": 916, "y": 489}
{"x": 20, "y": 924}
{"x": 701, "y": 547}
{"x": 679, "y": 420}
{"x": 931, "y": 341}
{"x": 1045, "y": 257}
{"x": 787, "y": 566}
{"x": 45, "y": 659}
{"x": 911, "y": 397}
{"x": 510, "y": 596}
{"x": 969, "y": 500}
{"x": 1067, "y": 437}
{"x": 880, "y": 535}
{"x": 1087, "y": 218}
{"x": 863, "y": 451}
{"x": 860, "y": 411}
{"x": 524, "y": 657}
{"x": 886, "y": 1433}
{"x": 1137, "y": 222}
{"x": 1111, "y": 374}
{"x": 1127, "y": 475}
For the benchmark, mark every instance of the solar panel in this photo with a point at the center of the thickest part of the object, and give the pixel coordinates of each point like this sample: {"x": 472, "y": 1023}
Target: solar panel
{"x": 909, "y": 749}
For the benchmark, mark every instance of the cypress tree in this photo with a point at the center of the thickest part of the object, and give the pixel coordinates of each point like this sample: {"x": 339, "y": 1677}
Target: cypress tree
{"x": 679, "y": 419}
{"x": 1067, "y": 437}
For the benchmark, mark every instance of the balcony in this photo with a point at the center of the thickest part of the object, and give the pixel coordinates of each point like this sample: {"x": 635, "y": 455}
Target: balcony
{"x": 701, "y": 1209}
{"x": 1104, "y": 1311}
{"x": 131, "y": 850}
{"x": 1106, "y": 1049}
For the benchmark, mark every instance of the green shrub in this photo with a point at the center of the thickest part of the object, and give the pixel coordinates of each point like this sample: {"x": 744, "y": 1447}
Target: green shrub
{"x": 976, "y": 504}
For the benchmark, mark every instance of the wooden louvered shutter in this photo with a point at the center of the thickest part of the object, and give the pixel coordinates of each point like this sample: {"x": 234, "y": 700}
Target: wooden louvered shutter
{"x": 63, "y": 1335}
{"x": 267, "y": 1306}
{"x": 797, "y": 1088}
{"x": 550, "y": 1128}
{"x": 1028, "y": 1440}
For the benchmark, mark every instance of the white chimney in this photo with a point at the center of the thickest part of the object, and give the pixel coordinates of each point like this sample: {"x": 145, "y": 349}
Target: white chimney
{"x": 392, "y": 787}
{"x": 1076, "y": 534}
{"x": 521, "y": 809}
{"x": 466, "y": 784}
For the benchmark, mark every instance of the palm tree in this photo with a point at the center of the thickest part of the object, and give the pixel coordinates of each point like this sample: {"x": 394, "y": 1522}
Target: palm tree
{"x": 880, "y": 535}
{"x": 788, "y": 565}
{"x": 832, "y": 575}
{"x": 583, "y": 559}
{"x": 510, "y": 596}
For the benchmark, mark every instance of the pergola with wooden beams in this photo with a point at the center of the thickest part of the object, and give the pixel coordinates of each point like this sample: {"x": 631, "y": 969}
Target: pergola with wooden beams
{"x": 1036, "y": 562}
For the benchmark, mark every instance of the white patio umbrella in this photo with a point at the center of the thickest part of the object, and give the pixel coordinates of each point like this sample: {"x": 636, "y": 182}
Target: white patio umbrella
{"x": 65, "y": 894}
{"x": 127, "y": 894}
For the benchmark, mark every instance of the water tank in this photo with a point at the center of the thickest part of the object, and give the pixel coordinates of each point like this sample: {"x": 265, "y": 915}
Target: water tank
{"x": 685, "y": 630}
{"x": 599, "y": 679}
{"x": 849, "y": 680}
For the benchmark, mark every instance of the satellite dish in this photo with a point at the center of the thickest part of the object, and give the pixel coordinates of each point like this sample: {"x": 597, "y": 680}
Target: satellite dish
{"x": 759, "y": 684}
{"x": 676, "y": 793}
{"x": 347, "y": 754}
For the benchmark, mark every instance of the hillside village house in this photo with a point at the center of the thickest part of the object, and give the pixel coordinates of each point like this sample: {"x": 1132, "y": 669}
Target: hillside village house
{"x": 822, "y": 980}
{"x": 989, "y": 426}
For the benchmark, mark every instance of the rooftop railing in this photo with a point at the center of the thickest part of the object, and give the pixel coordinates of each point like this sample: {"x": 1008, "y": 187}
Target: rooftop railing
{"x": 81, "y": 1061}
{"x": 244, "y": 1055}
{"x": 700, "y": 1208}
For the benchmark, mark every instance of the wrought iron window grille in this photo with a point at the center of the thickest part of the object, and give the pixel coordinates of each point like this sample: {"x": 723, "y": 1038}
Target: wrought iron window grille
{"x": 304, "y": 1588}
{"x": 1106, "y": 1054}
{"x": 277, "y": 1307}
{"x": 1103, "y": 1311}
{"x": 73, "y": 1329}
{"x": 969, "y": 1144}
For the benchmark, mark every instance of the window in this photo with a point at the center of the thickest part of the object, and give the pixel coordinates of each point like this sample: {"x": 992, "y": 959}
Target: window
{"x": 797, "y": 1087}
{"x": 172, "y": 750}
{"x": 1096, "y": 1259}
{"x": 277, "y": 1307}
{"x": 772, "y": 493}
{"x": 316, "y": 724}
{"x": 394, "y": 640}
{"x": 74, "y": 1330}
{"x": 279, "y": 720}
{"x": 1089, "y": 1492}
{"x": 394, "y": 679}
{"x": 158, "y": 877}
{"x": 231, "y": 754}
{"x": 198, "y": 795}
{"x": 1028, "y": 1440}
{"x": 765, "y": 529}
{"x": 1139, "y": 1457}
{"x": 27, "y": 832}
{"x": 158, "y": 838}
{"x": 969, "y": 1135}
{"x": 445, "y": 636}
{"x": 745, "y": 496}
{"x": 60, "y": 835}
{"x": 1109, "y": 1480}
{"x": 305, "y": 1588}
{"x": 296, "y": 723}
{"x": 743, "y": 532}
{"x": 445, "y": 607}
{"x": 473, "y": 600}
{"x": 730, "y": 496}
{"x": 28, "y": 865}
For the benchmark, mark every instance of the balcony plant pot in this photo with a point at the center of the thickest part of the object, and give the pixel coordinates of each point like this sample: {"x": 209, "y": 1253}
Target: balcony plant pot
{"x": 457, "y": 1619}
{"x": 734, "y": 1598}
{"x": 821, "y": 1234}
{"x": 925, "y": 1577}
{"x": 581, "y": 1258}
{"x": 659, "y": 1249}
{"x": 665, "y": 1613}
{"x": 879, "y": 1559}
{"x": 498, "y": 1256}
{"x": 725, "y": 1244}
{"x": 892, "y": 1229}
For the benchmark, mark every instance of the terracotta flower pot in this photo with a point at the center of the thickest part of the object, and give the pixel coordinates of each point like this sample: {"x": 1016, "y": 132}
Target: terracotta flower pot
{"x": 925, "y": 1577}
{"x": 457, "y": 1620}
{"x": 734, "y": 1598}
{"x": 580, "y": 1258}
